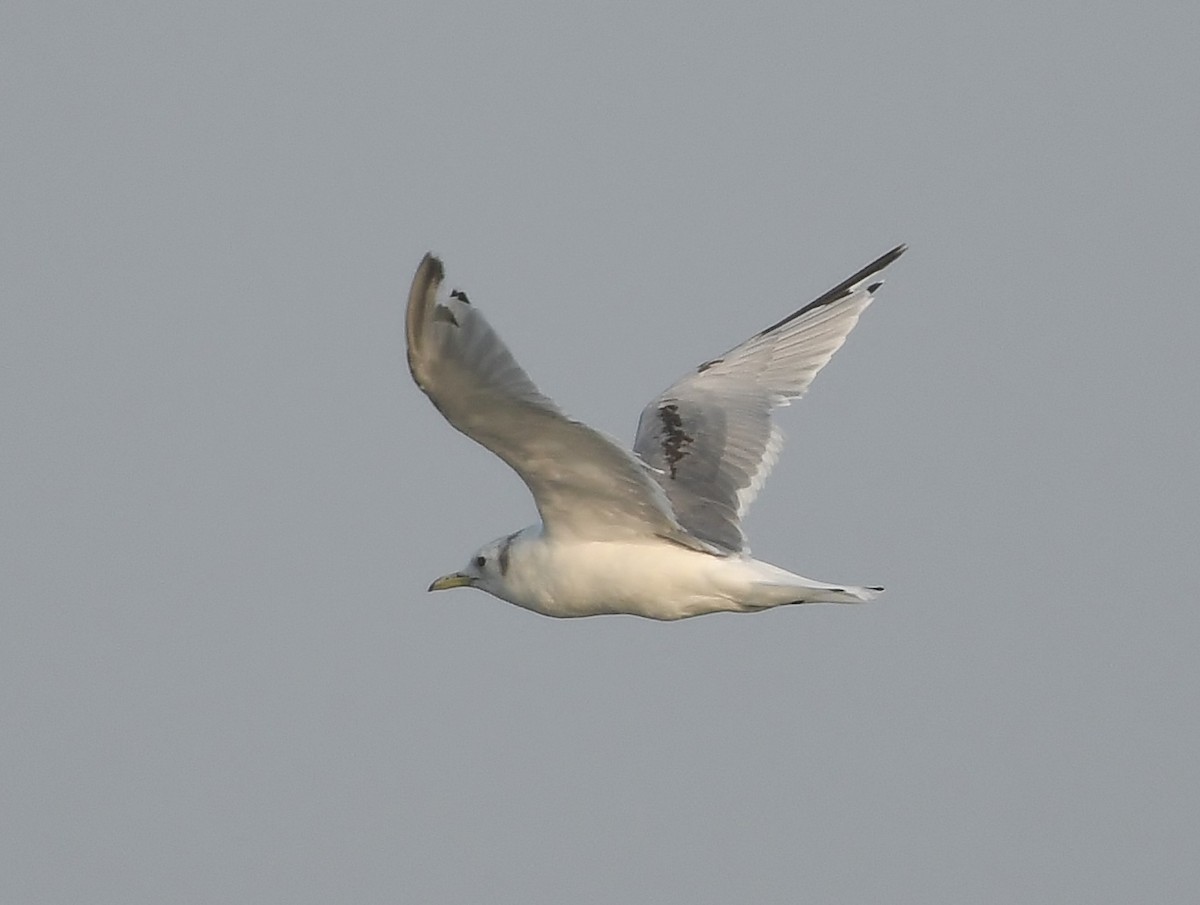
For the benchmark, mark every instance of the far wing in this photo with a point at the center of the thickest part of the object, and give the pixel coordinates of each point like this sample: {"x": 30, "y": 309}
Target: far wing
{"x": 583, "y": 483}
{"x": 710, "y": 436}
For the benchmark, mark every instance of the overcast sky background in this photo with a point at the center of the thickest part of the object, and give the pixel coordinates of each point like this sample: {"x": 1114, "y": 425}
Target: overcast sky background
{"x": 221, "y": 679}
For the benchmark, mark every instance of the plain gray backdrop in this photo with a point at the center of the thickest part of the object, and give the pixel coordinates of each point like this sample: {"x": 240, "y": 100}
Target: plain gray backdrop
{"x": 221, "y": 679}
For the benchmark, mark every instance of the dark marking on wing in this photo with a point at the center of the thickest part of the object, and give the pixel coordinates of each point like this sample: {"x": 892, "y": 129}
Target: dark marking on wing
{"x": 842, "y": 289}
{"x": 506, "y": 551}
{"x": 461, "y": 296}
{"x": 442, "y": 313}
{"x": 708, "y": 364}
{"x": 676, "y": 440}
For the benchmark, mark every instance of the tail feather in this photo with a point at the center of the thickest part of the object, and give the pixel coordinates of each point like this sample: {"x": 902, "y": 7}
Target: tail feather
{"x": 817, "y": 592}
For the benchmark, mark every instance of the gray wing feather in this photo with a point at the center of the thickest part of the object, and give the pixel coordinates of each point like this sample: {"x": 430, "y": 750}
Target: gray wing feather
{"x": 583, "y": 483}
{"x": 710, "y": 437}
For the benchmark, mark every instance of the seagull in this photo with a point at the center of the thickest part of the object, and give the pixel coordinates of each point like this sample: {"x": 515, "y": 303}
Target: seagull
{"x": 656, "y": 531}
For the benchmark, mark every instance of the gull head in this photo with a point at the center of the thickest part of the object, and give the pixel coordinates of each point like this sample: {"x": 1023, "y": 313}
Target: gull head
{"x": 486, "y": 569}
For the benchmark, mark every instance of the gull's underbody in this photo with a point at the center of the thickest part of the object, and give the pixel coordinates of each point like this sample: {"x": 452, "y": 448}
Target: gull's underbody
{"x": 655, "y": 532}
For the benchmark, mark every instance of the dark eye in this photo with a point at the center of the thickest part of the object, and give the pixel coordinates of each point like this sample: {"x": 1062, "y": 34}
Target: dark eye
{"x": 480, "y": 562}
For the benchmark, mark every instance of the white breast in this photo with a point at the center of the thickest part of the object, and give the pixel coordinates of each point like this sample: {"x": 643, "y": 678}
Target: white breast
{"x": 656, "y": 579}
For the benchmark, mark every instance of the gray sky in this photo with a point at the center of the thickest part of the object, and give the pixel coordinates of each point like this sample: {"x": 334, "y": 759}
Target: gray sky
{"x": 221, "y": 679}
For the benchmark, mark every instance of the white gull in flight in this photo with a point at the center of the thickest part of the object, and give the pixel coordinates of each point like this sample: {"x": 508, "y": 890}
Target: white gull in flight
{"x": 655, "y": 532}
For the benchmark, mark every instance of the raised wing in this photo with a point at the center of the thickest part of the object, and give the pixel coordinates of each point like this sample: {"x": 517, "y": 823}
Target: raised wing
{"x": 583, "y": 483}
{"x": 710, "y": 437}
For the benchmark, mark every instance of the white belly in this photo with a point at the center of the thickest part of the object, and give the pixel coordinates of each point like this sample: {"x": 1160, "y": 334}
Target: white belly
{"x": 659, "y": 580}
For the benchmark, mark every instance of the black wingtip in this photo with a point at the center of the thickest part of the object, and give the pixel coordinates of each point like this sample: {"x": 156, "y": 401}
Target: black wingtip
{"x": 878, "y": 264}
{"x": 433, "y": 264}
{"x": 842, "y": 289}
